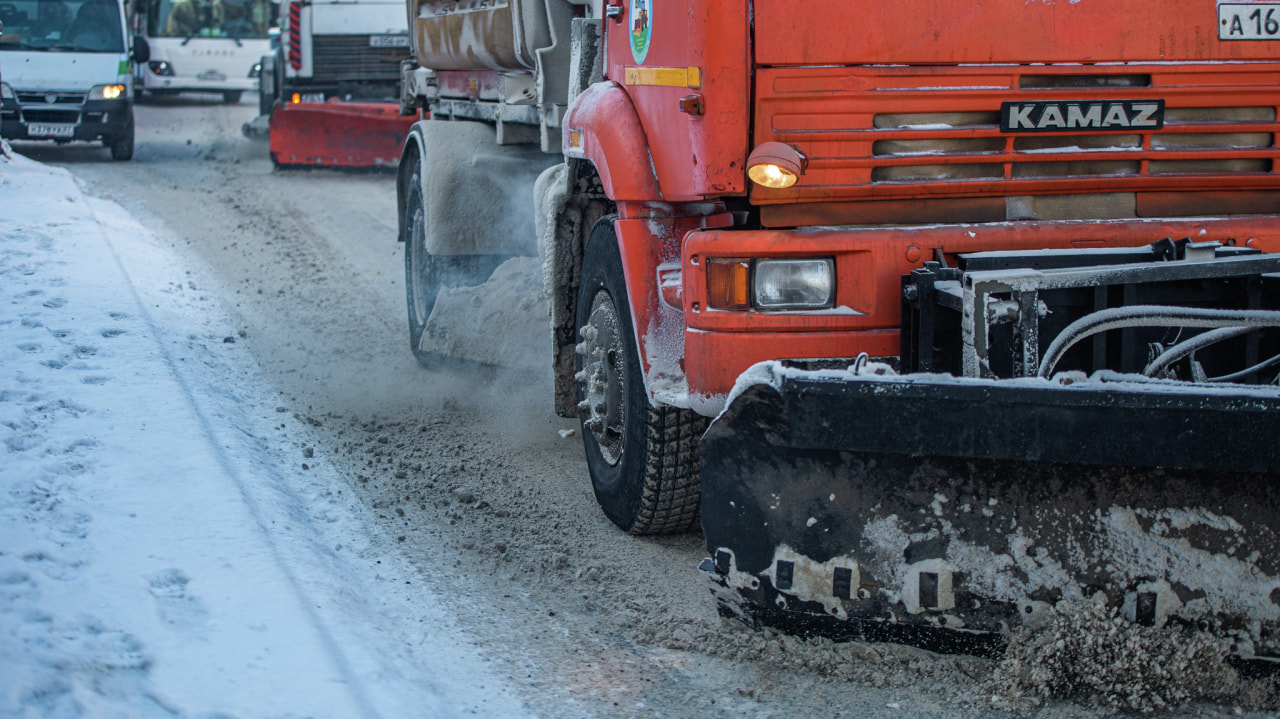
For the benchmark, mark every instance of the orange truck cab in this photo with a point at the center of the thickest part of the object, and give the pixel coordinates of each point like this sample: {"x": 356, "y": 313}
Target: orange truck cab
{"x": 922, "y": 129}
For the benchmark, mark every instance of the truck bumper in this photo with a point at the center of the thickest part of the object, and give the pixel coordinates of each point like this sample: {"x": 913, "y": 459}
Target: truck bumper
{"x": 869, "y": 265}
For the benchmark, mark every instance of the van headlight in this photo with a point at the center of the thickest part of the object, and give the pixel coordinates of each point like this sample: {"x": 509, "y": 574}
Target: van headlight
{"x": 794, "y": 284}
{"x": 107, "y": 92}
{"x": 6, "y": 92}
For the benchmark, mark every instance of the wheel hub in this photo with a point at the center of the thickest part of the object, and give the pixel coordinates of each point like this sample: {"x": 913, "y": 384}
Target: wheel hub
{"x": 602, "y": 381}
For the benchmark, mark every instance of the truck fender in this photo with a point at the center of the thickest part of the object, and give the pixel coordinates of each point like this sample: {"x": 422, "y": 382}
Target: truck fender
{"x": 463, "y": 168}
{"x": 410, "y": 159}
{"x": 602, "y": 126}
{"x": 568, "y": 202}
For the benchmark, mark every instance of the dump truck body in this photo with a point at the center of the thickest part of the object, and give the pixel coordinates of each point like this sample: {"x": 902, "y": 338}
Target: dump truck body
{"x": 919, "y": 263}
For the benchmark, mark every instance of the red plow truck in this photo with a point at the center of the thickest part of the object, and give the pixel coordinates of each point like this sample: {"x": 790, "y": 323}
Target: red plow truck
{"x": 935, "y": 317}
{"x": 328, "y": 92}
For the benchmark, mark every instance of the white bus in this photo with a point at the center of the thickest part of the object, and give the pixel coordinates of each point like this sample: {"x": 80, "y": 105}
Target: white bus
{"x": 203, "y": 45}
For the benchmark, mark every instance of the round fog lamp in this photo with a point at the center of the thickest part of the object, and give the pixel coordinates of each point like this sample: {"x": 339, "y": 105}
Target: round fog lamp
{"x": 775, "y": 165}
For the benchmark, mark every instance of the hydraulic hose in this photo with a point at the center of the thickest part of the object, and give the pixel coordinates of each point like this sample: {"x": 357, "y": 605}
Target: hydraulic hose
{"x": 1273, "y": 361}
{"x": 1184, "y": 349}
{"x": 1151, "y": 316}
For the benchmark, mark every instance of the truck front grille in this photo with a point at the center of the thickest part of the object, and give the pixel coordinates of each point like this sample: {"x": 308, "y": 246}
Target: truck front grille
{"x": 1183, "y": 133}
{"x": 898, "y": 133}
{"x": 349, "y": 58}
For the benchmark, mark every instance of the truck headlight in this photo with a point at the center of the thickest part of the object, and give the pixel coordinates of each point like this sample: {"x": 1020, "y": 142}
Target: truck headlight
{"x": 6, "y": 92}
{"x": 794, "y": 284}
{"x": 106, "y": 92}
{"x": 161, "y": 68}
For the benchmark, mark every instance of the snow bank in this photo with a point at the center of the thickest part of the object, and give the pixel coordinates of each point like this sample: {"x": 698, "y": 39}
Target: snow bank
{"x": 162, "y": 551}
{"x": 501, "y": 322}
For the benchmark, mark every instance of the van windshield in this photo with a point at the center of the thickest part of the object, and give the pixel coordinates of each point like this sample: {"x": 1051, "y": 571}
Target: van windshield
{"x": 53, "y": 25}
{"x": 207, "y": 18}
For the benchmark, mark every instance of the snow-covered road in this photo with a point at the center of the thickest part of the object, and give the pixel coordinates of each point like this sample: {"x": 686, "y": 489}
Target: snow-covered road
{"x": 158, "y": 554}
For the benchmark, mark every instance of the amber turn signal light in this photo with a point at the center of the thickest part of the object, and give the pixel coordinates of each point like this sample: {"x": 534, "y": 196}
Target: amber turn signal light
{"x": 729, "y": 284}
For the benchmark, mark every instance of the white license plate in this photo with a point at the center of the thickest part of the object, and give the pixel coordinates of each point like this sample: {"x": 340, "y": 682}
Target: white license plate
{"x": 1249, "y": 21}
{"x": 388, "y": 41}
{"x": 37, "y": 129}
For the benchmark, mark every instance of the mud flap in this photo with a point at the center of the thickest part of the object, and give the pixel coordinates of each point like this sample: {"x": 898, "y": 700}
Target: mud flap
{"x": 338, "y": 134}
{"x": 962, "y": 509}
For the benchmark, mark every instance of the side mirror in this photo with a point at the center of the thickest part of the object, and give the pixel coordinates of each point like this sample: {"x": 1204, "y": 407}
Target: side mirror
{"x": 141, "y": 49}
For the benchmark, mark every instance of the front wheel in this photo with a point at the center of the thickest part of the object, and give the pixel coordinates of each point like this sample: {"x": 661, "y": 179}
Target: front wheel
{"x": 121, "y": 145}
{"x": 643, "y": 457}
{"x": 231, "y": 97}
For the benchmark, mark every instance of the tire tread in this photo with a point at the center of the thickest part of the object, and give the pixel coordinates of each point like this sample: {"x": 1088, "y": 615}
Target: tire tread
{"x": 671, "y": 497}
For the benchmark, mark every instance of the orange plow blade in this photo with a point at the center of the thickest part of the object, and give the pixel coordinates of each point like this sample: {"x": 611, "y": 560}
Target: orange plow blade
{"x": 337, "y": 134}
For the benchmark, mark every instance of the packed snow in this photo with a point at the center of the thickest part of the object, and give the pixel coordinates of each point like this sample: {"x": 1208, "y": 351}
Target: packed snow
{"x": 160, "y": 555}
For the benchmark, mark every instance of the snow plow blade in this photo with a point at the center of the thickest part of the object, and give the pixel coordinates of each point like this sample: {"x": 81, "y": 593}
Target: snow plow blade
{"x": 946, "y": 512}
{"x": 338, "y": 134}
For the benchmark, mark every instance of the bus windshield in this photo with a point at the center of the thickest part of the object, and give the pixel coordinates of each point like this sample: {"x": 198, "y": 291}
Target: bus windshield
{"x": 53, "y": 25}
{"x": 207, "y": 18}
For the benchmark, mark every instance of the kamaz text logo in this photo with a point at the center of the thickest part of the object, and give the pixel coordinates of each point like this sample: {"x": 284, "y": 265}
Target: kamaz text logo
{"x": 1059, "y": 116}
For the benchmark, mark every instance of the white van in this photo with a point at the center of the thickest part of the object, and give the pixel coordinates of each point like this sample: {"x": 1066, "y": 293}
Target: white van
{"x": 65, "y": 72}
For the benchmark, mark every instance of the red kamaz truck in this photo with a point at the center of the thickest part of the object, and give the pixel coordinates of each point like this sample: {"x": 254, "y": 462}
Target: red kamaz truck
{"x": 938, "y": 317}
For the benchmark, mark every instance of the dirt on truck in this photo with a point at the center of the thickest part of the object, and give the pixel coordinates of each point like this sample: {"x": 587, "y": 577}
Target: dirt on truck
{"x": 939, "y": 320}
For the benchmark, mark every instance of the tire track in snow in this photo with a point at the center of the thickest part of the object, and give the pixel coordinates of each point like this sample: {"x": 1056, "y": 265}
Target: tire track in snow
{"x": 335, "y": 652}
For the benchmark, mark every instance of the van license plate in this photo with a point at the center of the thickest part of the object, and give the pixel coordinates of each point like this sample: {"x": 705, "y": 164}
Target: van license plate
{"x": 1249, "y": 21}
{"x": 45, "y": 130}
